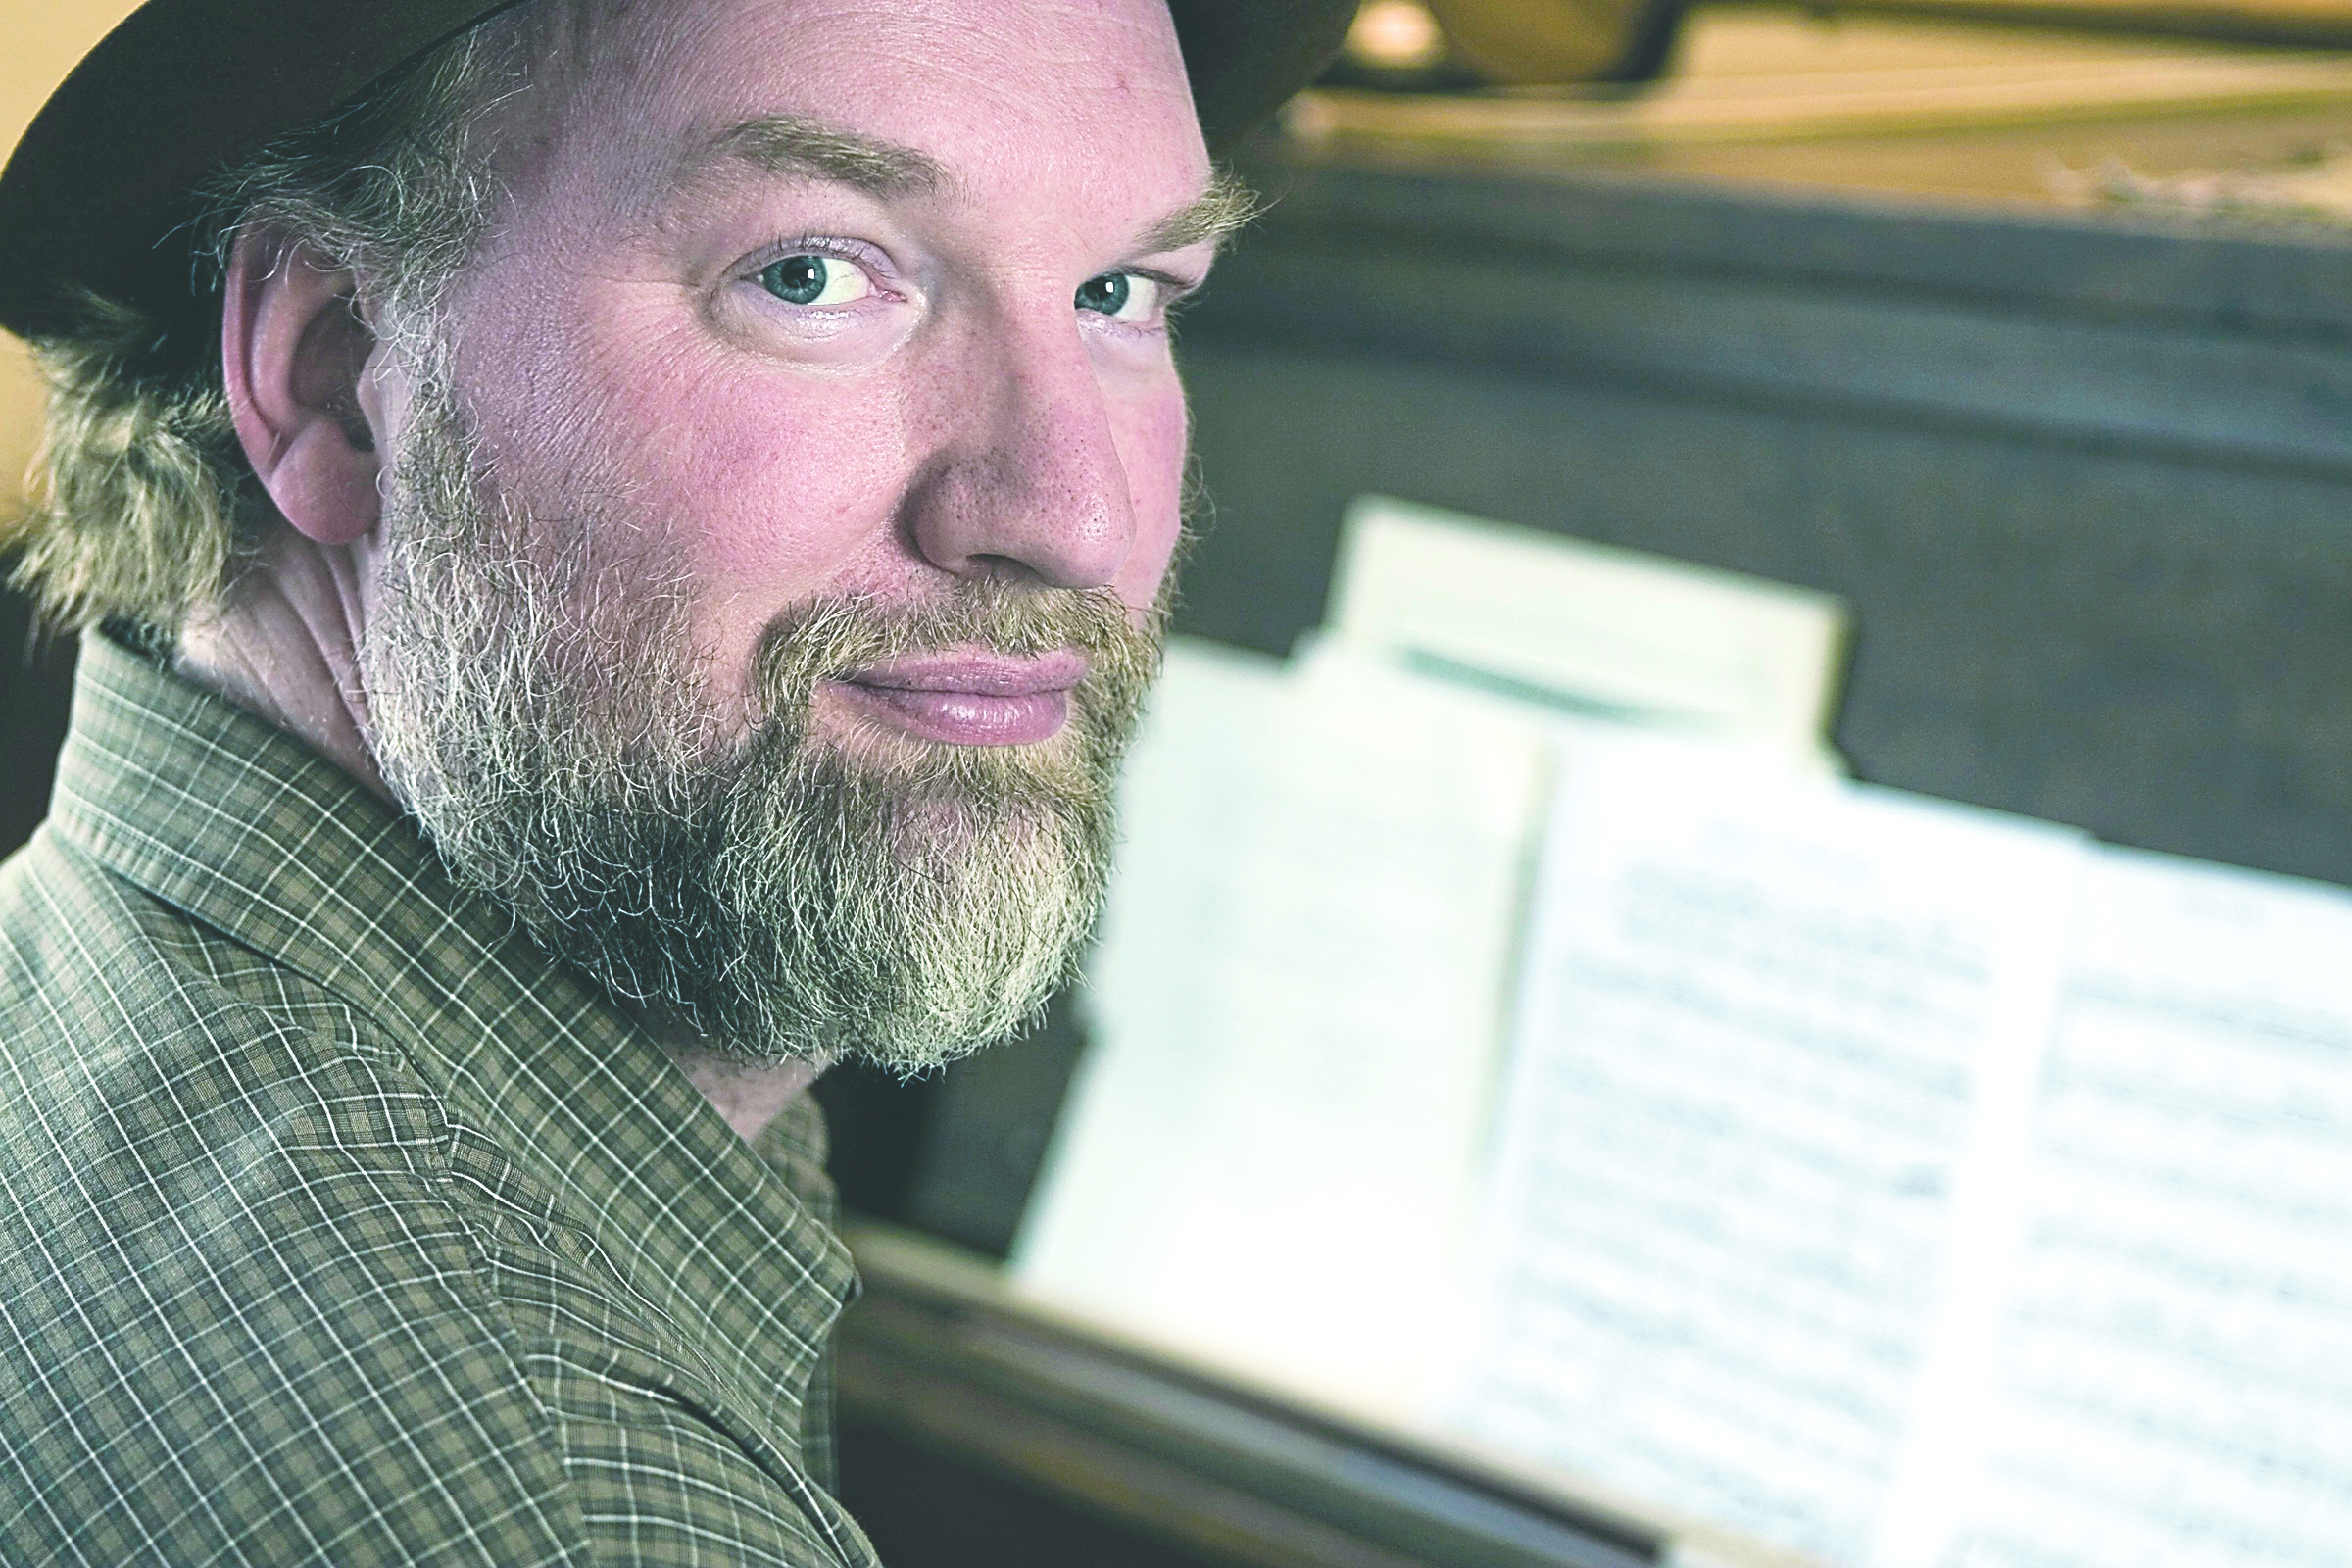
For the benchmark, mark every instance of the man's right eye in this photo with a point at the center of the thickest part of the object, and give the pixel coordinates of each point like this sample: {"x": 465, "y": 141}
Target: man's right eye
{"x": 815, "y": 280}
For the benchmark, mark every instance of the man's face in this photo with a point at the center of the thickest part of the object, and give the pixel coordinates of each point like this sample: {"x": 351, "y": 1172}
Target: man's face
{"x": 771, "y": 565}
{"x": 792, "y": 286}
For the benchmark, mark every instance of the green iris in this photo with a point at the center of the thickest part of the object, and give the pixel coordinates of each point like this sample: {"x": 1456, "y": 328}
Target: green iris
{"x": 1107, "y": 293}
{"x": 795, "y": 280}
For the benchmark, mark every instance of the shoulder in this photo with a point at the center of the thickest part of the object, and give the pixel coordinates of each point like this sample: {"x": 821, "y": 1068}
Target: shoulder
{"x": 148, "y": 1054}
{"x": 239, "y": 1310}
{"x": 249, "y": 1311}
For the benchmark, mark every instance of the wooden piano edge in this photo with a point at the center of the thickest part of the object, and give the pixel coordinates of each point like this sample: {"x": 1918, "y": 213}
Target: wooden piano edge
{"x": 943, "y": 1353}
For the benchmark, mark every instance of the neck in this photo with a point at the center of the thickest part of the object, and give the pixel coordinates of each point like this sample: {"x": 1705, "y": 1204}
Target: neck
{"x": 284, "y": 643}
{"x": 749, "y": 1097}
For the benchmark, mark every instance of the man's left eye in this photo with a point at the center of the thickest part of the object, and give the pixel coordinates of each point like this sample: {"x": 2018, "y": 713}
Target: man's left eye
{"x": 815, "y": 280}
{"x": 1121, "y": 296}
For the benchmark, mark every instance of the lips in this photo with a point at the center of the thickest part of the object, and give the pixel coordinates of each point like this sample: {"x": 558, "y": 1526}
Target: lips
{"x": 969, "y": 697}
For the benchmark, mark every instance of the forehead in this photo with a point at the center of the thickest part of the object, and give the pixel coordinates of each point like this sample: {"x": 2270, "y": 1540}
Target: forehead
{"x": 1087, "y": 97}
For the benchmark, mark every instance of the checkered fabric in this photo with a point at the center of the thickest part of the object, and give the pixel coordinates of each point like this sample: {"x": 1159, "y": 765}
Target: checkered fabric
{"x": 339, "y": 1226}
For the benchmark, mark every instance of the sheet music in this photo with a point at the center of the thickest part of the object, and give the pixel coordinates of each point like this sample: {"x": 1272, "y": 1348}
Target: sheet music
{"x": 2176, "y": 1378}
{"x": 1609, "y": 633}
{"x": 1754, "y": 1201}
{"x": 1294, "y": 1011}
{"x": 1885, "y": 1180}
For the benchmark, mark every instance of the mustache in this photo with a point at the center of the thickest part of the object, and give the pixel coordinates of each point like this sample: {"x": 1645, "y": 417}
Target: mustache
{"x": 836, "y": 636}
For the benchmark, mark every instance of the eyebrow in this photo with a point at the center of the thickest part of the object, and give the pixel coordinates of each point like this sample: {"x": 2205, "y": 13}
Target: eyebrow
{"x": 1211, "y": 217}
{"x": 811, "y": 149}
{"x": 793, "y": 144}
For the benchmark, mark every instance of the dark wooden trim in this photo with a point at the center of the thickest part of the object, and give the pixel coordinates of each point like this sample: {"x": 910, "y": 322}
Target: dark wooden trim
{"x": 2213, "y": 19}
{"x": 965, "y": 1370}
{"x": 2220, "y": 351}
{"x": 2270, "y": 280}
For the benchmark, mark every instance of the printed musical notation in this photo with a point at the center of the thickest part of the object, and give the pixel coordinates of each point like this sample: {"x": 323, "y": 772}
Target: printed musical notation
{"x": 1876, "y": 1182}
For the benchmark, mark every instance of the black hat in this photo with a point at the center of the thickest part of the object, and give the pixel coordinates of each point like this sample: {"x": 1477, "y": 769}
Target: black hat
{"x": 99, "y": 193}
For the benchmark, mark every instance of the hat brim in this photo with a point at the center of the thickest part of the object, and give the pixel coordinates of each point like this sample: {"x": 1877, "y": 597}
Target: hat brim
{"x": 99, "y": 194}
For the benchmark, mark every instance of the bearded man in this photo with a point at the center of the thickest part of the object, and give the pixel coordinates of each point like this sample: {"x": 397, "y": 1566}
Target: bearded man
{"x": 621, "y": 541}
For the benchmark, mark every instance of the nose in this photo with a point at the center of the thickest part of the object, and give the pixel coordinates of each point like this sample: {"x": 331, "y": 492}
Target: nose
{"x": 1029, "y": 479}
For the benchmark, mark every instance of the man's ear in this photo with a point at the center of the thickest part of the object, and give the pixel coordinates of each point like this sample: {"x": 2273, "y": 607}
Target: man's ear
{"x": 293, "y": 351}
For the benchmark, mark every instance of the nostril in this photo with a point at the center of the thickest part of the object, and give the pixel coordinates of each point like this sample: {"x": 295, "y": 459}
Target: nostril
{"x": 1039, "y": 519}
{"x": 1004, "y": 569}
{"x": 1028, "y": 480}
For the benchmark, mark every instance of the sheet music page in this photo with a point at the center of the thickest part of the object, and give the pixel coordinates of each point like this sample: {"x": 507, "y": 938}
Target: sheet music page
{"x": 1610, "y": 633}
{"x": 1754, "y": 1199}
{"x": 1294, "y": 1014}
{"x": 2177, "y": 1377}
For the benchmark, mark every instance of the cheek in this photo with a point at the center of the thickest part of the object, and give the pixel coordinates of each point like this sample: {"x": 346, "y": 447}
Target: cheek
{"x": 1150, "y": 432}
{"x": 772, "y": 490}
{"x": 763, "y": 487}
{"x": 771, "y": 493}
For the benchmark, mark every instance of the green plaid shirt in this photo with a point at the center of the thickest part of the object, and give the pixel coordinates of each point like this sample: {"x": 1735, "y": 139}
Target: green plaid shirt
{"x": 337, "y": 1225}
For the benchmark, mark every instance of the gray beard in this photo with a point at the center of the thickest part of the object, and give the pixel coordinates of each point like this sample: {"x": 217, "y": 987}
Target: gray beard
{"x": 547, "y": 717}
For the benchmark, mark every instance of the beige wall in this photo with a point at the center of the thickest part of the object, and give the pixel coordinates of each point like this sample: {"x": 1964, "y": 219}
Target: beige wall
{"x": 38, "y": 45}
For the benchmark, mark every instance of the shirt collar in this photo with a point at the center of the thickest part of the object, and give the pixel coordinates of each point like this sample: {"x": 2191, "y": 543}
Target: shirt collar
{"x": 217, "y": 813}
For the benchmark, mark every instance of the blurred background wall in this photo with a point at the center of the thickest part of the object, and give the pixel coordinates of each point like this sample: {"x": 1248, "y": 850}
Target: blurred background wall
{"x": 19, "y": 411}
